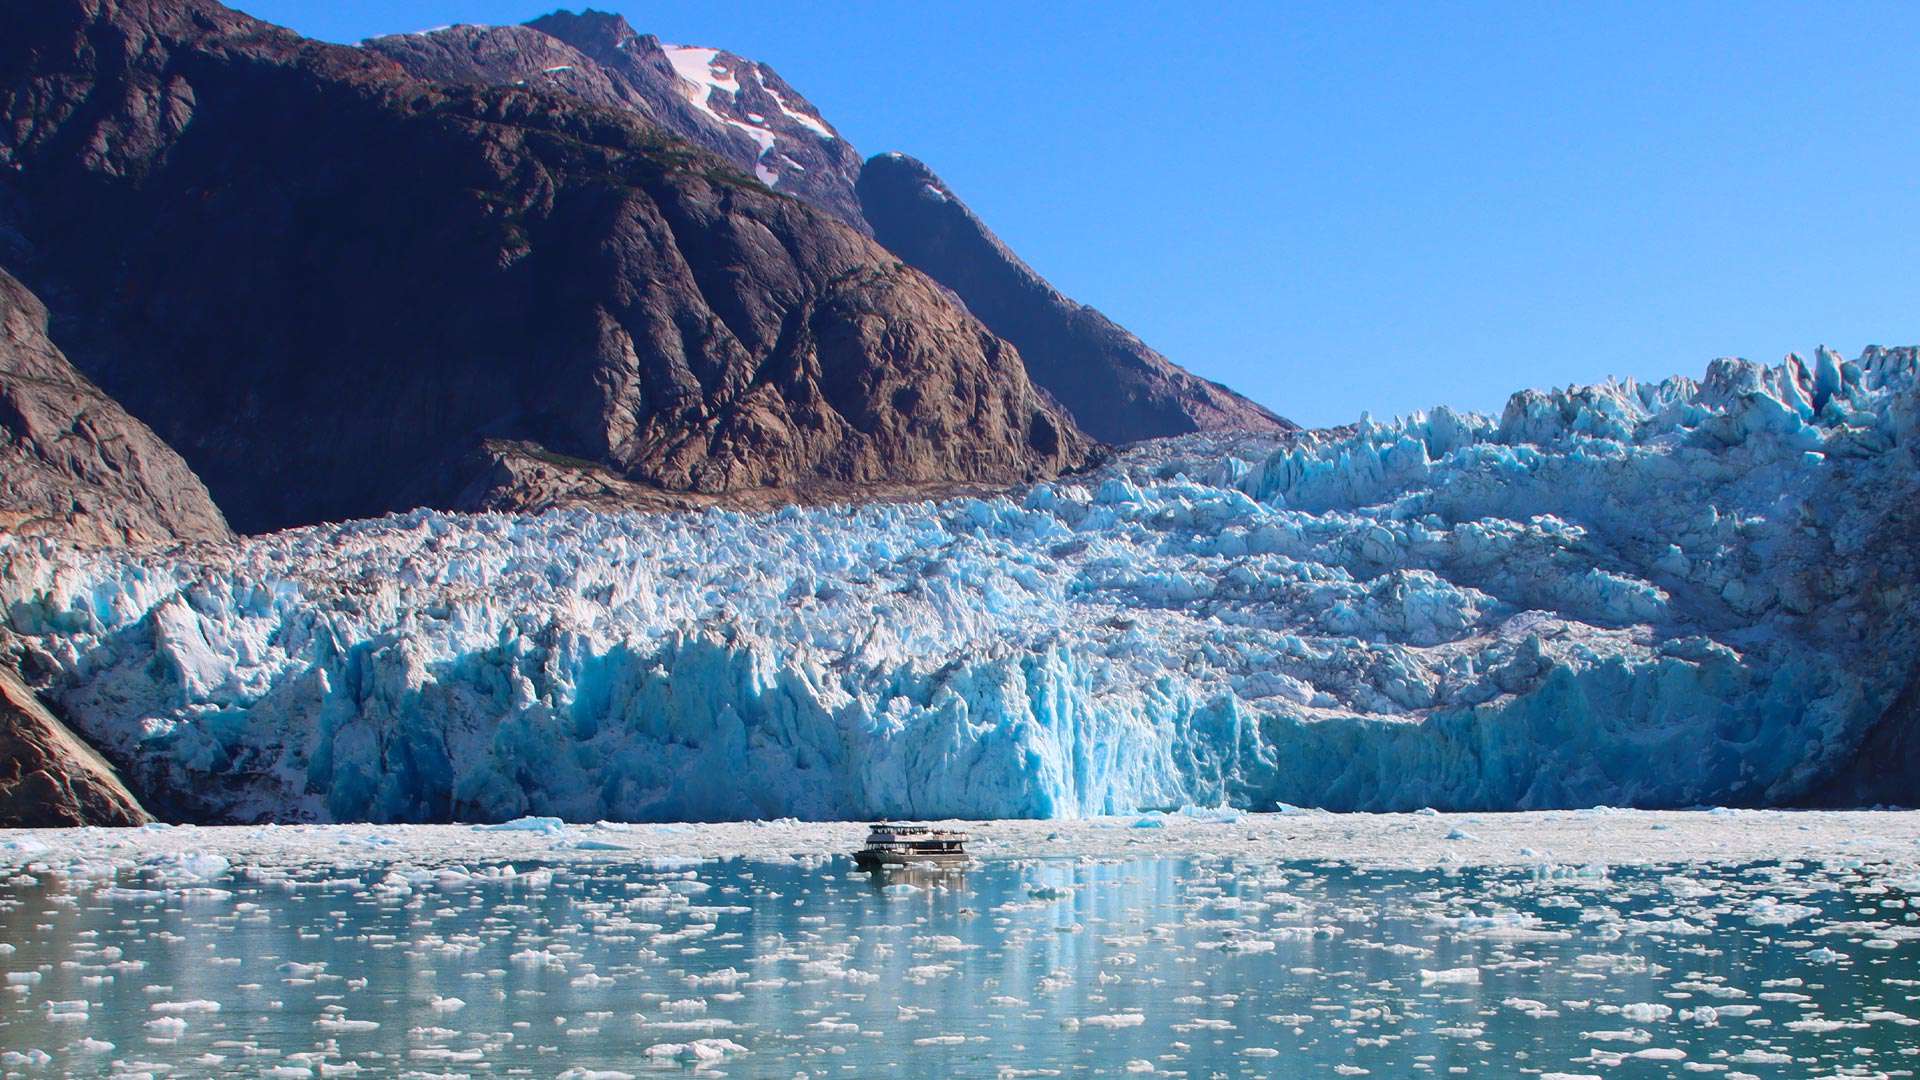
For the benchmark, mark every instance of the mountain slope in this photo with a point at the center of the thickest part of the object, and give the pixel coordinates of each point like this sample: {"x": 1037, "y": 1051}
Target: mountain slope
{"x": 1114, "y": 385}
{"x": 735, "y": 107}
{"x": 333, "y": 283}
{"x": 72, "y": 462}
{"x": 1116, "y": 388}
{"x": 49, "y": 779}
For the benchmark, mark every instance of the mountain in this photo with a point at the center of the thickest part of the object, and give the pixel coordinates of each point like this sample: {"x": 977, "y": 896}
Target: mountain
{"x": 339, "y": 289}
{"x": 1117, "y": 388}
{"x": 73, "y": 464}
{"x": 1695, "y": 592}
{"x": 735, "y": 107}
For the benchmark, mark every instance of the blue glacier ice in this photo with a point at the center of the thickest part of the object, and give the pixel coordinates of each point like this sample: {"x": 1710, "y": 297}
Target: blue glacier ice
{"x": 1690, "y": 592}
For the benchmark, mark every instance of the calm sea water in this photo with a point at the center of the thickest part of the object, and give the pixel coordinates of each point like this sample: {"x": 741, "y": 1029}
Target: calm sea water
{"x": 1162, "y": 965}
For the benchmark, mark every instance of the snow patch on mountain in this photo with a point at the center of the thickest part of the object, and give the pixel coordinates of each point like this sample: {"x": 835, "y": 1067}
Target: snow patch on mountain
{"x": 704, "y": 74}
{"x": 1666, "y": 594}
{"x": 700, "y": 68}
{"x": 812, "y": 123}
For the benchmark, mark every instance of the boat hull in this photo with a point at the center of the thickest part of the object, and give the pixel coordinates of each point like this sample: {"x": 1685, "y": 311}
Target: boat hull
{"x": 877, "y": 859}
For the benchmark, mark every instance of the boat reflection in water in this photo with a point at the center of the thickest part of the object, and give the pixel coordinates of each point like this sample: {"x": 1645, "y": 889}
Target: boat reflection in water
{"x": 928, "y": 878}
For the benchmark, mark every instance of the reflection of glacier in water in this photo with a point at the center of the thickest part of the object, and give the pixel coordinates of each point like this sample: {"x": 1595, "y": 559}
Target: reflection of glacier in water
{"x": 1689, "y": 593}
{"x": 1156, "y": 965}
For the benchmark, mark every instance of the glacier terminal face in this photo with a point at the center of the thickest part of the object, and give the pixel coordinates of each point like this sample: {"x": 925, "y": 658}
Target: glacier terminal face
{"x": 1695, "y": 592}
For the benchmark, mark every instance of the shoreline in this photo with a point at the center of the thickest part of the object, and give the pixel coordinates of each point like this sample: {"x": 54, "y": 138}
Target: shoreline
{"x": 1552, "y": 838}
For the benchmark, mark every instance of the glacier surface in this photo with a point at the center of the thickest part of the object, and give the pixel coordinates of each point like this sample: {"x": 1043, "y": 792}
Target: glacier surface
{"x": 1683, "y": 593}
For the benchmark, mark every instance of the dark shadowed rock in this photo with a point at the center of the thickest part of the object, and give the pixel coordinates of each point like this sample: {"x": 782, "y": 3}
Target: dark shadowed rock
{"x": 49, "y": 778}
{"x": 1883, "y": 768}
{"x": 72, "y": 462}
{"x": 1117, "y": 388}
{"x": 331, "y": 281}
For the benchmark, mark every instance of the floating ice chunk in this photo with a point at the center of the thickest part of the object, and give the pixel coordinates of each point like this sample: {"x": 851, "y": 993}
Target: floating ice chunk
{"x": 1766, "y": 911}
{"x": 697, "y": 1050}
{"x": 185, "y": 1007}
{"x": 548, "y": 825}
{"x": 1218, "y": 815}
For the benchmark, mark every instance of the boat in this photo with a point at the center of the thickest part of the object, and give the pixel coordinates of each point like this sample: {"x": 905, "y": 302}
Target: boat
{"x": 889, "y": 844}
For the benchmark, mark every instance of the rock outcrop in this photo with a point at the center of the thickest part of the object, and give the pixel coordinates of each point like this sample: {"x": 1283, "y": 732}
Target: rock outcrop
{"x": 1117, "y": 388}
{"x": 49, "y": 778}
{"x": 738, "y": 108}
{"x": 72, "y": 462}
{"x": 332, "y": 280}
{"x": 1883, "y": 769}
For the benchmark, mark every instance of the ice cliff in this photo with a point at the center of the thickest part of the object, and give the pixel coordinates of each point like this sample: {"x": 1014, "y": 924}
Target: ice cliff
{"x": 1663, "y": 595}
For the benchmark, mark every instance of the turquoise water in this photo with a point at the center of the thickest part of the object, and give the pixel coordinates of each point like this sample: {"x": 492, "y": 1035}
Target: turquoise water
{"x": 1160, "y": 965}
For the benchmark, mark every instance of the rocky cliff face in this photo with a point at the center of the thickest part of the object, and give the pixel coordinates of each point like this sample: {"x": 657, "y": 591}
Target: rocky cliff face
{"x": 332, "y": 281}
{"x": 72, "y": 462}
{"x": 1884, "y": 767}
{"x": 738, "y": 108}
{"x": 1114, "y": 385}
{"x": 49, "y": 778}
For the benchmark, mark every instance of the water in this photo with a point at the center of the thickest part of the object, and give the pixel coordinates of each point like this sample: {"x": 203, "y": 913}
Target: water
{"x": 1172, "y": 965}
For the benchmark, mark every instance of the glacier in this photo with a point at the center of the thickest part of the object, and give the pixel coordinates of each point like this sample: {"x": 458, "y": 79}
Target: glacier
{"x": 1660, "y": 595}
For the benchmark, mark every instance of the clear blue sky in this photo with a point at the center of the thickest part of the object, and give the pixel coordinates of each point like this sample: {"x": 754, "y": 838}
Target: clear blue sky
{"x": 1337, "y": 207}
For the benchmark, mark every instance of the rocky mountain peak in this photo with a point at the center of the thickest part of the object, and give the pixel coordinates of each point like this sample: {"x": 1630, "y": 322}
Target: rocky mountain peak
{"x": 406, "y": 252}
{"x": 737, "y": 107}
{"x": 589, "y": 30}
{"x": 1117, "y": 387}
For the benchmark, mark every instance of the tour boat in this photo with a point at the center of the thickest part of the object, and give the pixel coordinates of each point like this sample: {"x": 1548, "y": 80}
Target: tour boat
{"x": 904, "y": 845}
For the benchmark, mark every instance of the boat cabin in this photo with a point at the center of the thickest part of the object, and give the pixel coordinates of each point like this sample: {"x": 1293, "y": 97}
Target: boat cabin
{"x": 899, "y": 845}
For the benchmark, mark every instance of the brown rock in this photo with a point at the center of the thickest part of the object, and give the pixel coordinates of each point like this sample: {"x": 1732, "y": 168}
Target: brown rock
{"x": 1113, "y": 384}
{"x": 49, "y": 777}
{"x": 331, "y": 281}
{"x": 72, "y": 462}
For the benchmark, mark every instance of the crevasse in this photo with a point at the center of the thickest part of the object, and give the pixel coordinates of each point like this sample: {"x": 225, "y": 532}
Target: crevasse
{"x": 1674, "y": 594}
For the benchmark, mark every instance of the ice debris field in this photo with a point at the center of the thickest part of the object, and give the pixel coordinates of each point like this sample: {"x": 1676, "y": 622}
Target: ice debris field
{"x": 1696, "y": 592}
{"x": 1614, "y": 944}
